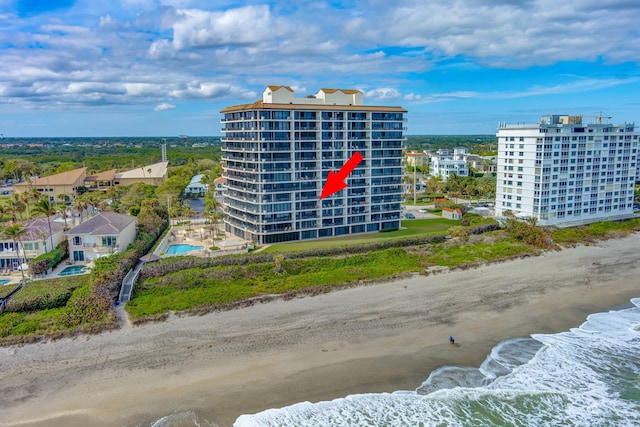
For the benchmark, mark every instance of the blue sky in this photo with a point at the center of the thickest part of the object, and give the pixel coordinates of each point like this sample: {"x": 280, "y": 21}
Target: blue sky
{"x": 167, "y": 67}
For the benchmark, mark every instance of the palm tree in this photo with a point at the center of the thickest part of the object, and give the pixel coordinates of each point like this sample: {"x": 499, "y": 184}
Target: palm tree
{"x": 63, "y": 198}
{"x": 17, "y": 206}
{"x": 3, "y": 211}
{"x": 24, "y": 198}
{"x": 79, "y": 205}
{"x": 15, "y": 232}
{"x": 44, "y": 206}
{"x": 64, "y": 215}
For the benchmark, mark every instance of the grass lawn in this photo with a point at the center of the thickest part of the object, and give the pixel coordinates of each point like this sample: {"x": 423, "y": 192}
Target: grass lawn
{"x": 410, "y": 228}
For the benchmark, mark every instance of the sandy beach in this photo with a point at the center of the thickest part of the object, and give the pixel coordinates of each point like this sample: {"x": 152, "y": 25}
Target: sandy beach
{"x": 376, "y": 338}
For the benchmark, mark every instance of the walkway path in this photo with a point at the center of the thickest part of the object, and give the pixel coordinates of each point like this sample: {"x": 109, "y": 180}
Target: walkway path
{"x": 128, "y": 283}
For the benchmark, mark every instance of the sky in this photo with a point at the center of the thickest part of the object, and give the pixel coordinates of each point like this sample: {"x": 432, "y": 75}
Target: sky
{"x": 74, "y": 68}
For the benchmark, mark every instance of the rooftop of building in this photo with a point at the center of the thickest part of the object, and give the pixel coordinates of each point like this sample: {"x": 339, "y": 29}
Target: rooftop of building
{"x": 102, "y": 176}
{"x": 260, "y": 105}
{"x": 282, "y": 97}
{"x": 197, "y": 179}
{"x": 562, "y": 120}
{"x": 104, "y": 223}
{"x": 156, "y": 170}
{"x": 64, "y": 178}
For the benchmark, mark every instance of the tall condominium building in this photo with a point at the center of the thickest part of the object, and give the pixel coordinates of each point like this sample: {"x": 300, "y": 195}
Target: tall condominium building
{"x": 278, "y": 151}
{"x": 564, "y": 172}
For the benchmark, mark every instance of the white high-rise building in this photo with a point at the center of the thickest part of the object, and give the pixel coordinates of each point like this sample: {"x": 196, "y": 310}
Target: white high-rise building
{"x": 278, "y": 151}
{"x": 564, "y": 172}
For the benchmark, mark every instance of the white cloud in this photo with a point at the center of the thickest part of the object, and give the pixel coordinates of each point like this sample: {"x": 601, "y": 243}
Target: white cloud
{"x": 576, "y": 85}
{"x": 211, "y": 90}
{"x": 507, "y": 34}
{"x": 144, "y": 51}
{"x": 164, "y": 106}
{"x": 243, "y": 26}
{"x": 383, "y": 93}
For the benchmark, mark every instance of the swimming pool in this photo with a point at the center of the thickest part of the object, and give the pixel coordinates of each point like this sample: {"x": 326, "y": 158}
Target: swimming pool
{"x": 181, "y": 248}
{"x": 4, "y": 281}
{"x": 74, "y": 269}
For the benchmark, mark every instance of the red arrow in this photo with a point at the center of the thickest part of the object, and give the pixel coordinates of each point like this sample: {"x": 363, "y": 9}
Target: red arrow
{"x": 335, "y": 181}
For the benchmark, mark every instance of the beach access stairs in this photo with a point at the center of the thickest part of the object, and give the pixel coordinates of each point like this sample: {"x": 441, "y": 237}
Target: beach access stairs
{"x": 128, "y": 282}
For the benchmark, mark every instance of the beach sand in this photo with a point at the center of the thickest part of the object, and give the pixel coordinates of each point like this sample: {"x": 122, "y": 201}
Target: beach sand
{"x": 377, "y": 338}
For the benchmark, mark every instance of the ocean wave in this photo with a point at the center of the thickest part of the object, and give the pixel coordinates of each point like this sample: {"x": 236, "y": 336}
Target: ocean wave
{"x": 583, "y": 377}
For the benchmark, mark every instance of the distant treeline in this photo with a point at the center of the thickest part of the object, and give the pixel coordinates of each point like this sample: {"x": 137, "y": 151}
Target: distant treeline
{"x": 44, "y": 156}
{"x": 478, "y": 144}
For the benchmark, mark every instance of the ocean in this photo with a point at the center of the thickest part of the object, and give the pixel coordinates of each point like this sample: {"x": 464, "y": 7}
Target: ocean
{"x": 588, "y": 376}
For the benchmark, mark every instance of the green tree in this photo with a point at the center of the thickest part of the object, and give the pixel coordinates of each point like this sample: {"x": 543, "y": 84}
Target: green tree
{"x": 17, "y": 206}
{"x": 46, "y": 208}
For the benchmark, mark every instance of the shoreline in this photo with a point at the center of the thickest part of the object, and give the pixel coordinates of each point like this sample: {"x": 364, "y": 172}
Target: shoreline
{"x": 383, "y": 337}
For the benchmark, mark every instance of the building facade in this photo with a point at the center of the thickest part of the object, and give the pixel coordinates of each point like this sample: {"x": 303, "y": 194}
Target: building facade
{"x": 196, "y": 188}
{"x": 417, "y": 159}
{"x": 564, "y": 172}
{"x": 279, "y": 150}
{"x": 101, "y": 235}
{"x": 53, "y": 186}
{"x": 38, "y": 239}
{"x": 445, "y": 166}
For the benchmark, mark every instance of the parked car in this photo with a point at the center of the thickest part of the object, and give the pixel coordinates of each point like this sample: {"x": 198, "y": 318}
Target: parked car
{"x": 410, "y": 216}
{"x": 422, "y": 210}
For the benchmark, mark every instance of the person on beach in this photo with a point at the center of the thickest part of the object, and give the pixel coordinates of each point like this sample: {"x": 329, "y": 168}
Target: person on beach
{"x": 452, "y": 342}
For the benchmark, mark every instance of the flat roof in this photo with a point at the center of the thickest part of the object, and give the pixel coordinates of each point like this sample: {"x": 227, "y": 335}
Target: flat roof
{"x": 259, "y": 105}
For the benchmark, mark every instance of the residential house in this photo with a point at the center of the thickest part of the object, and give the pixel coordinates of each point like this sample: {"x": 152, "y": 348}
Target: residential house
{"x": 101, "y": 235}
{"x": 417, "y": 159}
{"x": 154, "y": 174}
{"x": 444, "y": 164}
{"x": 196, "y": 187}
{"x": 53, "y": 186}
{"x": 36, "y": 240}
{"x": 452, "y": 213}
{"x": 408, "y": 187}
{"x": 481, "y": 164}
{"x": 220, "y": 186}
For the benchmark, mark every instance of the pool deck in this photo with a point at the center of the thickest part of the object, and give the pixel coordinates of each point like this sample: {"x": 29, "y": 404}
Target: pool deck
{"x": 60, "y": 267}
{"x": 199, "y": 236}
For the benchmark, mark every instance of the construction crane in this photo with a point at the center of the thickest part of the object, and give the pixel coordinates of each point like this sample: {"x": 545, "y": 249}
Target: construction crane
{"x": 600, "y": 117}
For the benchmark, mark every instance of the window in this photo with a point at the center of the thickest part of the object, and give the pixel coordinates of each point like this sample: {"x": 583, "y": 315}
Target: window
{"x": 77, "y": 241}
{"x": 109, "y": 241}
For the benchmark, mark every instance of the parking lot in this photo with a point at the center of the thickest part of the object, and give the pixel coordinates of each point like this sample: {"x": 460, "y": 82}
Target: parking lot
{"x": 415, "y": 210}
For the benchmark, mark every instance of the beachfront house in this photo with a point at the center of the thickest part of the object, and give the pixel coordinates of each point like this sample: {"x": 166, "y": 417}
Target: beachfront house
{"x": 36, "y": 241}
{"x": 101, "y": 235}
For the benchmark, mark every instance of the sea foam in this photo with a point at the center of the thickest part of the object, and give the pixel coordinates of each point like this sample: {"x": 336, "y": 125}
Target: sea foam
{"x": 583, "y": 377}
